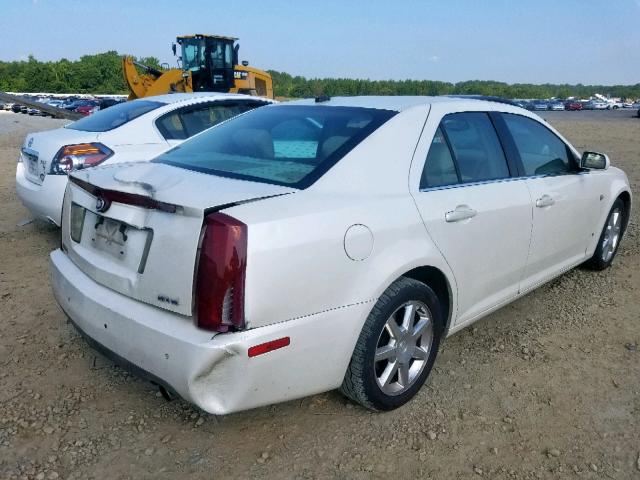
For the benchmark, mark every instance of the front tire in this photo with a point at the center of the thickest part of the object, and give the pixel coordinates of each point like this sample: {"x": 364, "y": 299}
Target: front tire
{"x": 610, "y": 237}
{"x": 397, "y": 347}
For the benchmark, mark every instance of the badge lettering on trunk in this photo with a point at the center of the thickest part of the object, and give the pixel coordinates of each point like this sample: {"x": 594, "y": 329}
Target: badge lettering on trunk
{"x": 165, "y": 299}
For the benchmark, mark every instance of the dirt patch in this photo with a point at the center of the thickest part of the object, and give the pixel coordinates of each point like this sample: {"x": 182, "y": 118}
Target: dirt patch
{"x": 547, "y": 387}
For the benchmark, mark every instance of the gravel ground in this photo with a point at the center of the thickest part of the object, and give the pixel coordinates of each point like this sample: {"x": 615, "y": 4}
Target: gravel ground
{"x": 547, "y": 387}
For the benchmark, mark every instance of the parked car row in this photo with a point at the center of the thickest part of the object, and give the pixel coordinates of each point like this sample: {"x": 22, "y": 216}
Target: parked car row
{"x": 17, "y": 108}
{"x": 240, "y": 252}
{"x": 85, "y": 106}
{"x": 571, "y": 104}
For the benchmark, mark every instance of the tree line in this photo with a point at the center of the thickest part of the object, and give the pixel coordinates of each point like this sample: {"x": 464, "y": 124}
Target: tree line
{"x": 286, "y": 85}
{"x": 102, "y": 73}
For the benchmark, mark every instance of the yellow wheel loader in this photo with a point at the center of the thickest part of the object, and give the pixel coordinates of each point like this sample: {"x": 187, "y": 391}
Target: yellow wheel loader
{"x": 209, "y": 63}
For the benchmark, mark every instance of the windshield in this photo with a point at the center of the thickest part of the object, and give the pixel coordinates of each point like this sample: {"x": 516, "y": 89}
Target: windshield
{"x": 291, "y": 145}
{"x": 115, "y": 116}
{"x": 196, "y": 50}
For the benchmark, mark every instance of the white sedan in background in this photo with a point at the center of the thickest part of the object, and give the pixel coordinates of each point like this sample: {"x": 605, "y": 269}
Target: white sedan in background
{"x": 309, "y": 246}
{"x": 128, "y": 132}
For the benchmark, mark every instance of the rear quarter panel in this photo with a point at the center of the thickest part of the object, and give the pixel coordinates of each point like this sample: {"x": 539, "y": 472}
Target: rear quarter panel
{"x": 143, "y": 152}
{"x": 297, "y": 264}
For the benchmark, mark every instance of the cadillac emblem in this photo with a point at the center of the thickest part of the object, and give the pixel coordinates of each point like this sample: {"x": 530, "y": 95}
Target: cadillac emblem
{"x": 102, "y": 204}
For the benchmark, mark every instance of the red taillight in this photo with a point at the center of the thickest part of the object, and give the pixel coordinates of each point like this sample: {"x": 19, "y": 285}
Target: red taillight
{"x": 82, "y": 155}
{"x": 221, "y": 271}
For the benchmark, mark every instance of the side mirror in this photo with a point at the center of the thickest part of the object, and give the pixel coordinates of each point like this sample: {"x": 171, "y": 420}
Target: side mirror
{"x": 594, "y": 161}
{"x": 173, "y": 49}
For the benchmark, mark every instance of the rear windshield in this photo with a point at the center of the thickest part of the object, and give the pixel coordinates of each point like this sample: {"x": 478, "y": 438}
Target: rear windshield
{"x": 115, "y": 116}
{"x": 291, "y": 145}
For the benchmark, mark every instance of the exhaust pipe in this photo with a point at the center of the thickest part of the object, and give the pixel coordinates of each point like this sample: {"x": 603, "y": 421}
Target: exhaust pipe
{"x": 166, "y": 394}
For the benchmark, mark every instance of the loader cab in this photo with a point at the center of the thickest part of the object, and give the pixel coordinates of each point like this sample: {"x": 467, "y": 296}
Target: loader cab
{"x": 210, "y": 59}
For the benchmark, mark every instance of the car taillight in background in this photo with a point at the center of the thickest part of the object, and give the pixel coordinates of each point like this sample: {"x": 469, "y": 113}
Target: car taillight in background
{"x": 76, "y": 157}
{"x": 219, "y": 303}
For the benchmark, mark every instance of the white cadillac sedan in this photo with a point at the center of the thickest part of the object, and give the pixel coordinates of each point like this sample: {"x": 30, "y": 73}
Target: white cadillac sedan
{"x": 129, "y": 132}
{"x": 309, "y": 246}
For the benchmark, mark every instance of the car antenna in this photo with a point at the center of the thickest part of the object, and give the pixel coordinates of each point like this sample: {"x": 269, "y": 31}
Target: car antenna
{"x": 322, "y": 98}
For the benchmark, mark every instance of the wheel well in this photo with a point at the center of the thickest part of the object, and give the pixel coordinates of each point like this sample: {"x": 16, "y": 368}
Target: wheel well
{"x": 435, "y": 279}
{"x": 626, "y": 199}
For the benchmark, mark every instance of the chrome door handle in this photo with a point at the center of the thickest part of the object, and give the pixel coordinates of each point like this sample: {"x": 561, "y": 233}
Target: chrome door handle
{"x": 545, "y": 201}
{"x": 462, "y": 212}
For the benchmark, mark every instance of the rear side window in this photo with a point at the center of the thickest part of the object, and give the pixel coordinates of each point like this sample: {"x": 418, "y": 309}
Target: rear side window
{"x": 290, "y": 145}
{"x": 541, "y": 151}
{"x": 186, "y": 122}
{"x": 115, "y": 116}
{"x": 464, "y": 149}
{"x": 439, "y": 168}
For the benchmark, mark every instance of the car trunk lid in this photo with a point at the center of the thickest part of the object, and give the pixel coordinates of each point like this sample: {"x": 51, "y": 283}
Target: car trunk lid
{"x": 136, "y": 228}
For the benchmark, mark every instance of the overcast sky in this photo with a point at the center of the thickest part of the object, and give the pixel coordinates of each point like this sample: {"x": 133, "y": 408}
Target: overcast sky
{"x": 530, "y": 41}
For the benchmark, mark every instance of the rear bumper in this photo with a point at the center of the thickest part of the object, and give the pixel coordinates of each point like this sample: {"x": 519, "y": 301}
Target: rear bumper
{"x": 43, "y": 201}
{"x": 211, "y": 371}
{"x": 123, "y": 362}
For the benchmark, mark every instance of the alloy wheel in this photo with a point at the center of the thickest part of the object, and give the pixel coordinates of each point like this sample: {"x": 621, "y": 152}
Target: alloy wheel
{"x": 611, "y": 234}
{"x": 403, "y": 348}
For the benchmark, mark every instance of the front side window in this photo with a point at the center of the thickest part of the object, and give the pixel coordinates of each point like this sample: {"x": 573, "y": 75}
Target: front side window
{"x": 188, "y": 121}
{"x": 541, "y": 151}
{"x": 290, "y": 145}
{"x": 114, "y": 117}
{"x": 464, "y": 149}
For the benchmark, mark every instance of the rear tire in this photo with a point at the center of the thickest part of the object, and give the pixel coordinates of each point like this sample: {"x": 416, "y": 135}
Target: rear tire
{"x": 397, "y": 347}
{"x": 610, "y": 237}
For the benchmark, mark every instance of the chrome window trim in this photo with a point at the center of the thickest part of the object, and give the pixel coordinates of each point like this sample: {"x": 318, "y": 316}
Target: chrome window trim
{"x": 472, "y": 184}
{"x": 497, "y": 180}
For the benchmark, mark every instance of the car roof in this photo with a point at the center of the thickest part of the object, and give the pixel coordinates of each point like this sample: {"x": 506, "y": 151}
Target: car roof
{"x": 396, "y": 103}
{"x": 195, "y": 97}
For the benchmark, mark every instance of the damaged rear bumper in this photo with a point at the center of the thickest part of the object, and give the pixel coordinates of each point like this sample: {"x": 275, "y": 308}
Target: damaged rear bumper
{"x": 210, "y": 370}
